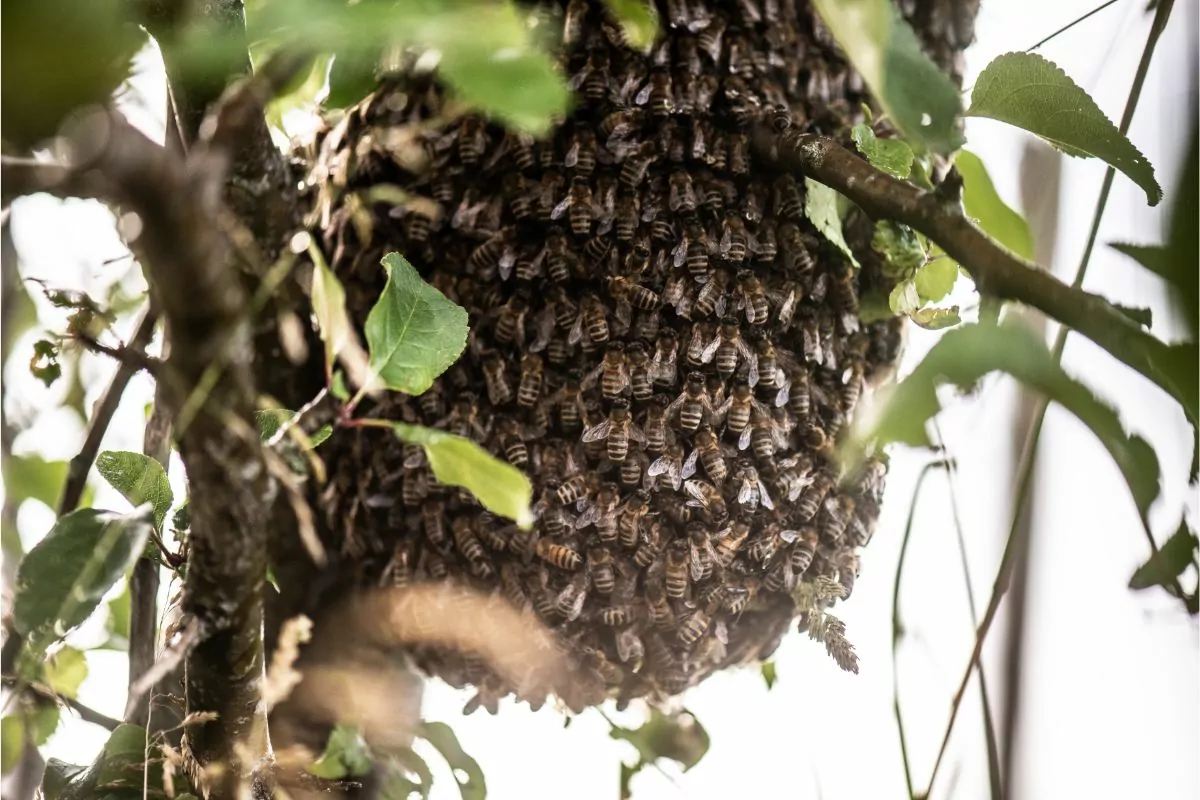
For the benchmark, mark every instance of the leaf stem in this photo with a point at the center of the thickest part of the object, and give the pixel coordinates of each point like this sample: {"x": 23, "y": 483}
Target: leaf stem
{"x": 1071, "y": 24}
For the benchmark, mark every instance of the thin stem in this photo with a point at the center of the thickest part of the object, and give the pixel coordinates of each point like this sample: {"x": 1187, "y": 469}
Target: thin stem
{"x": 1072, "y": 24}
{"x": 898, "y": 627}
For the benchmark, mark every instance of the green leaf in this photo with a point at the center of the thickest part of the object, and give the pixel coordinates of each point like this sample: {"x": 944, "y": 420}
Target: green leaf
{"x": 320, "y": 435}
{"x": 44, "y": 365}
{"x": 983, "y": 204}
{"x": 43, "y": 722}
{"x": 1151, "y": 256}
{"x": 123, "y": 763}
{"x": 65, "y": 670}
{"x": 768, "y": 674}
{"x": 270, "y": 420}
{"x": 329, "y": 307}
{"x": 639, "y": 21}
{"x": 1176, "y": 554}
{"x": 12, "y": 741}
{"x": 471, "y": 784}
{"x": 33, "y": 477}
{"x": 627, "y": 773}
{"x": 678, "y": 736}
{"x": 920, "y": 99}
{"x": 351, "y": 76}
{"x": 346, "y": 755}
{"x": 414, "y": 333}
{"x": 935, "y": 319}
{"x": 58, "y": 775}
{"x": 1032, "y": 93}
{"x": 962, "y": 357}
{"x": 900, "y": 246}
{"x": 139, "y": 479}
{"x": 181, "y": 520}
{"x": 120, "y": 609}
{"x": 821, "y": 208}
{"x": 893, "y": 156}
{"x": 936, "y": 279}
{"x": 397, "y": 785}
{"x": 904, "y": 298}
{"x": 62, "y": 580}
{"x": 501, "y": 488}
{"x": 338, "y": 387}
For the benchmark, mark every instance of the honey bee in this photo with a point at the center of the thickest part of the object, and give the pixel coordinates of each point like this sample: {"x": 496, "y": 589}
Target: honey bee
{"x": 630, "y": 474}
{"x": 463, "y": 419}
{"x": 751, "y": 489}
{"x": 735, "y": 411}
{"x": 730, "y": 544}
{"x": 725, "y": 348}
{"x": 520, "y": 198}
{"x": 739, "y": 153}
{"x": 697, "y": 340}
{"x": 472, "y": 140}
{"x": 630, "y": 521}
{"x": 466, "y": 541}
{"x": 788, "y": 201}
{"x": 433, "y": 403}
{"x": 593, "y": 78}
{"x": 581, "y": 155}
{"x": 708, "y": 453}
{"x": 573, "y": 20}
{"x": 398, "y": 571}
{"x": 559, "y": 555}
{"x": 646, "y": 326}
{"x": 592, "y": 320}
{"x": 838, "y": 511}
{"x": 510, "y": 321}
{"x": 852, "y": 384}
{"x": 494, "y": 536}
{"x": 710, "y": 39}
{"x": 711, "y": 297}
{"x": 694, "y": 626}
{"x": 693, "y": 250}
{"x": 677, "y": 569}
{"x": 600, "y": 568}
{"x": 612, "y": 373}
{"x": 662, "y": 366}
{"x": 651, "y": 546}
{"x": 602, "y": 513}
{"x": 658, "y": 606}
{"x": 701, "y": 555}
{"x": 669, "y": 464}
{"x": 708, "y": 498}
{"x": 617, "y": 430}
{"x": 682, "y": 197}
{"x": 597, "y": 249}
{"x": 548, "y": 190}
{"x": 754, "y": 297}
{"x": 511, "y": 444}
{"x": 795, "y": 249}
{"x": 764, "y": 437}
{"x": 570, "y": 600}
{"x": 803, "y": 551}
{"x": 640, "y": 381}
{"x": 628, "y": 213}
{"x": 630, "y": 295}
{"x": 529, "y": 387}
{"x": 813, "y": 497}
{"x": 656, "y": 95}
{"x": 614, "y": 616}
{"x": 619, "y": 124}
{"x": 636, "y": 165}
{"x": 781, "y": 577}
{"x": 572, "y": 490}
{"x": 498, "y": 388}
{"x": 799, "y": 398}
{"x": 497, "y": 251}
{"x": 511, "y": 587}
{"x": 414, "y": 487}
{"x": 693, "y": 403}
{"x": 581, "y": 204}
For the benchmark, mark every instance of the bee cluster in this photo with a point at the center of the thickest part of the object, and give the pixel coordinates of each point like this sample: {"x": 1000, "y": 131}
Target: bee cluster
{"x": 659, "y": 340}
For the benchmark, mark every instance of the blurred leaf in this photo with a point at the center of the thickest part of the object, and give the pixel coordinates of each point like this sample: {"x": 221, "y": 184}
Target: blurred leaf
{"x": 338, "y": 387}
{"x": 500, "y": 487}
{"x": 139, "y": 479}
{"x": 904, "y": 298}
{"x": 44, "y": 365}
{"x": 639, "y": 21}
{"x": 936, "y": 279}
{"x": 1034, "y": 94}
{"x": 935, "y": 319}
{"x": 397, "y": 785}
{"x": 351, "y": 76}
{"x": 962, "y": 357}
{"x": 320, "y": 435}
{"x": 33, "y": 477}
{"x": 471, "y": 784}
{"x": 821, "y": 208}
{"x": 1176, "y": 554}
{"x": 120, "y": 609}
{"x": 900, "y": 247}
{"x": 58, "y": 775}
{"x": 678, "y": 736}
{"x": 12, "y": 741}
{"x": 768, "y": 674}
{"x": 123, "y": 763}
{"x": 329, "y": 307}
{"x": 64, "y": 671}
{"x": 24, "y": 315}
{"x": 346, "y": 755}
{"x": 983, "y": 204}
{"x": 627, "y": 773}
{"x": 181, "y": 520}
{"x": 414, "y": 333}
{"x": 893, "y": 156}
{"x": 43, "y": 722}
{"x": 64, "y": 577}
{"x": 270, "y": 420}
{"x": 920, "y": 99}
{"x": 301, "y": 95}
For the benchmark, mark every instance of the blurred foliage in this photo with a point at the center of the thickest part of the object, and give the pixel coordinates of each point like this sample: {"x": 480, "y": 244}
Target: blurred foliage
{"x": 346, "y": 755}
{"x": 984, "y": 205}
{"x": 676, "y": 736}
{"x": 1165, "y": 566}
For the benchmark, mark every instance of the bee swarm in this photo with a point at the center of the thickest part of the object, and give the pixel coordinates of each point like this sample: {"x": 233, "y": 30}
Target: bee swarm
{"x": 659, "y": 340}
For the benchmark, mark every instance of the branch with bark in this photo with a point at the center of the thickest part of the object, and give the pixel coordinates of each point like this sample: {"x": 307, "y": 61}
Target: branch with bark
{"x": 996, "y": 271}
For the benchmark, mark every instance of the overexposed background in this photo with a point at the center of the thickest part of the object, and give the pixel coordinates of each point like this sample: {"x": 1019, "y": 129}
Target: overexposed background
{"x": 1110, "y": 677}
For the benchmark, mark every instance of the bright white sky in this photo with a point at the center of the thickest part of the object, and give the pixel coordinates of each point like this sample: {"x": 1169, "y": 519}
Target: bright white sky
{"x": 1111, "y": 703}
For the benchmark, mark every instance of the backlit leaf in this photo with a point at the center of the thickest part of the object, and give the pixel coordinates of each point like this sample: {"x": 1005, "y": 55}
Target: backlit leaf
{"x": 962, "y": 357}
{"x": 1032, "y": 93}
{"x": 501, "y": 488}
{"x": 62, "y": 580}
{"x": 346, "y": 755}
{"x": 678, "y": 736}
{"x": 821, "y": 208}
{"x": 935, "y": 319}
{"x": 414, "y": 333}
{"x": 65, "y": 670}
{"x": 901, "y": 248}
{"x": 329, "y": 307}
{"x": 904, "y": 298}
{"x": 768, "y": 674}
{"x": 639, "y": 21}
{"x": 920, "y": 99}
{"x": 33, "y": 477}
{"x": 471, "y": 784}
{"x": 936, "y": 279}
{"x": 12, "y": 741}
{"x": 139, "y": 479}
{"x": 893, "y": 156}
{"x": 1169, "y": 562}
{"x": 983, "y": 204}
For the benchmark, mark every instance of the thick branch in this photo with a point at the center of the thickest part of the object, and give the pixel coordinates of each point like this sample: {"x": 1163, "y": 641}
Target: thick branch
{"x": 996, "y": 271}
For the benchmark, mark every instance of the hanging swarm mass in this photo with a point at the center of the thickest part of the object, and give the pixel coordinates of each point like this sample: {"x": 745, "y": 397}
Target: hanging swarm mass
{"x": 659, "y": 340}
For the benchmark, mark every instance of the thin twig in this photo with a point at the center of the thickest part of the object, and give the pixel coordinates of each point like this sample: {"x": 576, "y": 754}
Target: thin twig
{"x": 898, "y": 627}
{"x": 1071, "y": 24}
{"x": 176, "y": 651}
{"x": 81, "y": 464}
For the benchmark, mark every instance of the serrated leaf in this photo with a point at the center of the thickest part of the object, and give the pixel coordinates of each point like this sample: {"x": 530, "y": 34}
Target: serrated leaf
{"x": 65, "y": 670}
{"x": 935, "y": 319}
{"x": 678, "y": 736}
{"x": 1176, "y": 554}
{"x": 414, "y": 333}
{"x": 962, "y": 357}
{"x": 904, "y": 298}
{"x": 61, "y": 581}
{"x": 768, "y": 674}
{"x": 983, "y": 204}
{"x": 821, "y": 208}
{"x": 1152, "y": 257}
{"x": 139, "y": 479}
{"x": 1034, "y": 94}
{"x": 936, "y": 279}
{"x": 33, "y": 477}
{"x": 639, "y": 21}
{"x": 901, "y": 248}
{"x": 500, "y": 487}
{"x": 346, "y": 755}
{"x": 466, "y": 771}
{"x": 893, "y": 156}
{"x": 329, "y": 307}
{"x": 920, "y": 98}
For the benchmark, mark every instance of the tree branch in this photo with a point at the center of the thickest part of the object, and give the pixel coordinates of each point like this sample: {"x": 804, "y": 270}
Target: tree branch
{"x": 996, "y": 271}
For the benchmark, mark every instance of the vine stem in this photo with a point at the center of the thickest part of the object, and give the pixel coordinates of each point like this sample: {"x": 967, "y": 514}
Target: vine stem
{"x": 1016, "y": 546}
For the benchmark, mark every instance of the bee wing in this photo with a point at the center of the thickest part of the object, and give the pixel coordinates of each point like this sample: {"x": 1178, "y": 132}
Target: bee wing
{"x": 644, "y": 94}
{"x": 624, "y": 313}
{"x": 679, "y": 253}
{"x": 591, "y": 514}
{"x": 779, "y": 435}
{"x": 561, "y": 208}
{"x": 598, "y": 431}
{"x": 710, "y": 350}
{"x": 629, "y": 646}
{"x": 660, "y": 465}
{"x": 763, "y": 497}
{"x": 576, "y": 333}
{"x": 637, "y": 434}
{"x": 544, "y": 327}
{"x": 689, "y": 466}
{"x": 745, "y": 492}
{"x": 572, "y": 156}
{"x": 695, "y": 489}
{"x": 590, "y": 379}
{"x": 744, "y": 439}
{"x": 784, "y": 393}
{"x": 722, "y": 410}
{"x": 696, "y": 563}
{"x": 752, "y": 359}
